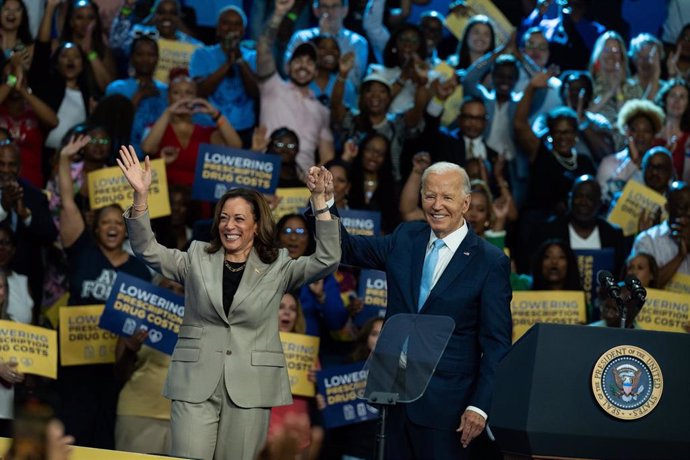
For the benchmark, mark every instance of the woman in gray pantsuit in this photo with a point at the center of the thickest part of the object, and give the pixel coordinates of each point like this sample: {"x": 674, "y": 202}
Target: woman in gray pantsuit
{"x": 228, "y": 367}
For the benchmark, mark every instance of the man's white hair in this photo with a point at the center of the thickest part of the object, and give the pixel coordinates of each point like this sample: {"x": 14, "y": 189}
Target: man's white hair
{"x": 443, "y": 167}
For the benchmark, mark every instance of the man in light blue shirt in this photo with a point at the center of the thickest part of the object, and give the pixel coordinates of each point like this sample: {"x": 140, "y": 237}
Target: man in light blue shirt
{"x": 225, "y": 73}
{"x": 331, "y": 14}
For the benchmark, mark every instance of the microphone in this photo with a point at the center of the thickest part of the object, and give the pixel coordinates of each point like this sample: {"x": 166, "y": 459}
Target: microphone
{"x": 609, "y": 283}
{"x": 637, "y": 291}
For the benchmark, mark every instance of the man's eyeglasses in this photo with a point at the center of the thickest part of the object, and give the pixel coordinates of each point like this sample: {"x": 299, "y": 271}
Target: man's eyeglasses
{"x": 95, "y": 140}
{"x": 153, "y": 34}
{"x": 285, "y": 145}
{"x": 294, "y": 231}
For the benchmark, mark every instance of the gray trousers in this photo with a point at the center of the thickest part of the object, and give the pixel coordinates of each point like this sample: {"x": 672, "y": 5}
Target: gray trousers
{"x": 217, "y": 429}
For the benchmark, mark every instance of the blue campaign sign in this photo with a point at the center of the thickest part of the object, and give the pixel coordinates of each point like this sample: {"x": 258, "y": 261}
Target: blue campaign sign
{"x": 341, "y": 387}
{"x": 590, "y": 262}
{"x": 367, "y": 223}
{"x": 219, "y": 169}
{"x": 135, "y": 304}
{"x": 373, "y": 290}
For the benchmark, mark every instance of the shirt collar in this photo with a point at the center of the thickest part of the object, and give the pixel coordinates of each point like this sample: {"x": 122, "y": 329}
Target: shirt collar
{"x": 453, "y": 240}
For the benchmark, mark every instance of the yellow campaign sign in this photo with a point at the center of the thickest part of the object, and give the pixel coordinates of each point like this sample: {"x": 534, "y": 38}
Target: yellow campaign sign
{"x": 665, "y": 311}
{"x": 635, "y": 198}
{"x": 172, "y": 54}
{"x": 301, "y": 352}
{"x": 292, "y": 200}
{"x": 456, "y": 23}
{"x": 109, "y": 186}
{"x": 81, "y": 340}
{"x": 679, "y": 283}
{"x": 34, "y": 348}
{"x": 558, "y": 307}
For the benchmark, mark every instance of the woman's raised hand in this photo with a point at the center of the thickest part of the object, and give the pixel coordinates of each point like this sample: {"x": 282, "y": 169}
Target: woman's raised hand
{"x": 74, "y": 146}
{"x": 138, "y": 178}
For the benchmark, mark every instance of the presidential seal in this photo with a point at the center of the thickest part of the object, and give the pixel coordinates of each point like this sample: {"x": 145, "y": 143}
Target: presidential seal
{"x": 627, "y": 382}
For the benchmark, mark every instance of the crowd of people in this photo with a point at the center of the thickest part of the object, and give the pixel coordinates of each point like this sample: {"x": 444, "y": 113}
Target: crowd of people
{"x": 550, "y": 117}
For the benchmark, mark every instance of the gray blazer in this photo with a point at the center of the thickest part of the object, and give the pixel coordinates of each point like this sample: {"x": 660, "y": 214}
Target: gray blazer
{"x": 245, "y": 344}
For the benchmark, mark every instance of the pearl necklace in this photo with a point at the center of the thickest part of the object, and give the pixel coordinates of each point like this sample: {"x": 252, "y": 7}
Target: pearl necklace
{"x": 568, "y": 163}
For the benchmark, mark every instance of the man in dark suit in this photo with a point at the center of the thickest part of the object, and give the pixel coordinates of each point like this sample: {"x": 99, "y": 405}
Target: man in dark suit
{"x": 24, "y": 209}
{"x": 582, "y": 227}
{"x": 441, "y": 267}
{"x": 459, "y": 144}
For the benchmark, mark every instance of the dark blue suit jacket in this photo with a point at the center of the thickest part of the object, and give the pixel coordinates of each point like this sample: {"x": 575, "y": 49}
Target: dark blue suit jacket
{"x": 474, "y": 290}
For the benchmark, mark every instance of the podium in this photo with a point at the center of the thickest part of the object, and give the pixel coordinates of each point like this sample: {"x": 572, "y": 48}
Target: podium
{"x": 550, "y": 385}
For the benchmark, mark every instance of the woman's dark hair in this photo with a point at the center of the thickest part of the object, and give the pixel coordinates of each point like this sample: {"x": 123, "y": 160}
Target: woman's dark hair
{"x": 572, "y": 275}
{"x": 338, "y": 162}
{"x": 561, "y": 113}
{"x": 653, "y": 267}
{"x": 385, "y": 198}
{"x": 24, "y": 31}
{"x": 464, "y": 49}
{"x": 83, "y": 81}
{"x": 143, "y": 39}
{"x": 264, "y": 239}
{"x": 311, "y": 244}
{"x": 390, "y": 52}
{"x": 570, "y": 76}
{"x": 283, "y": 131}
{"x": 67, "y": 34}
{"x": 361, "y": 120}
{"x": 115, "y": 113}
{"x": 99, "y": 212}
{"x": 361, "y": 351}
{"x": 661, "y": 100}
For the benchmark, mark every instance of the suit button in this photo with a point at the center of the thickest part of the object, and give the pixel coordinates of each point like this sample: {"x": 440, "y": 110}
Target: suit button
{"x": 228, "y": 352}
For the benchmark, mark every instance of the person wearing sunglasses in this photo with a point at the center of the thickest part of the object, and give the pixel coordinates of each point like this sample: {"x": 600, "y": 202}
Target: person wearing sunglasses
{"x": 321, "y": 302}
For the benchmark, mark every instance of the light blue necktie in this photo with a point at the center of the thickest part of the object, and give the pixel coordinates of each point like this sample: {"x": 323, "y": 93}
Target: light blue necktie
{"x": 428, "y": 272}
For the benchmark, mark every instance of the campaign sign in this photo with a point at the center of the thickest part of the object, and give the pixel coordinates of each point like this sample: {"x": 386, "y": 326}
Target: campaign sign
{"x": 635, "y": 198}
{"x": 81, "y": 340}
{"x": 679, "y": 283}
{"x": 590, "y": 262}
{"x": 373, "y": 290}
{"x": 367, "y": 223}
{"x": 557, "y": 307}
{"x": 301, "y": 352}
{"x": 135, "y": 304}
{"x": 292, "y": 201}
{"x": 172, "y": 54}
{"x": 219, "y": 169}
{"x": 665, "y": 311}
{"x": 341, "y": 388}
{"x": 109, "y": 186}
{"x": 34, "y": 348}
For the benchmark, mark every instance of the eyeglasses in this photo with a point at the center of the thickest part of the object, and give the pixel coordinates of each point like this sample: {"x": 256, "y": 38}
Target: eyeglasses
{"x": 613, "y": 49}
{"x": 153, "y": 34}
{"x": 95, "y": 140}
{"x": 296, "y": 231}
{"x": 284, "y": 145}
{"x": 408, "y": 40}
{"x": 540, "y": 47}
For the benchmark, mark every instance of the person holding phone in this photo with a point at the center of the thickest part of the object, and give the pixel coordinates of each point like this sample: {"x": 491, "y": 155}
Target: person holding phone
{"x": 175, "y": 136}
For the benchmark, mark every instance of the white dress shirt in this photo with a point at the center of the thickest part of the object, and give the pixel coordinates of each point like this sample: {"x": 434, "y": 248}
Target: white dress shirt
{"x": 445, "y": 254}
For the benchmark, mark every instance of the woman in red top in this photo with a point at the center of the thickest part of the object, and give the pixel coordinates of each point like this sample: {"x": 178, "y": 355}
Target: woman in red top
{"x": 674, "y": 99}
{"x": 176, "y": 138}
